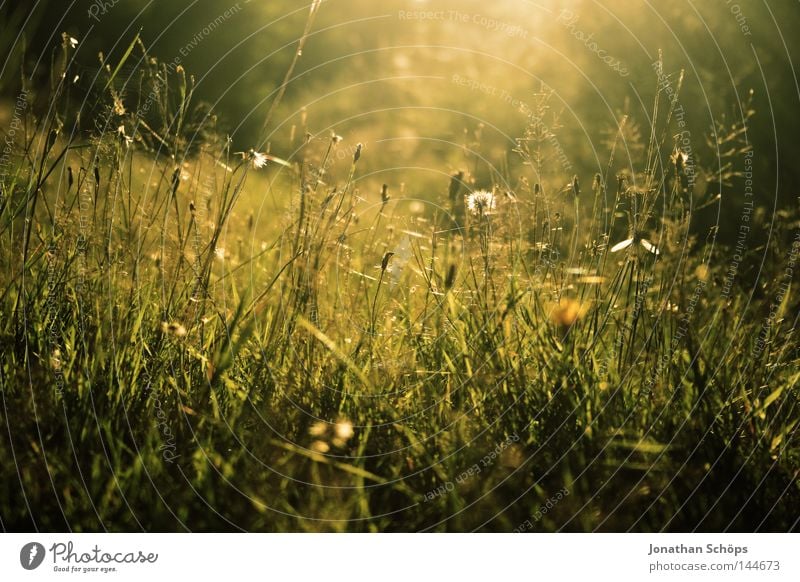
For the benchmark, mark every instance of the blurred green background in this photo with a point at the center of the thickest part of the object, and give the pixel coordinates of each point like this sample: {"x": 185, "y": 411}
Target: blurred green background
{"x": 415, "y": 79}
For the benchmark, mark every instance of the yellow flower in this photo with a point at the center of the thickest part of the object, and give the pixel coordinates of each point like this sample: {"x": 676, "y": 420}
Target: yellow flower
{"x": 320, "y": 447}
{"x": 174, "y": 329}
{"x": 567, "y": 312}
{"x": 318, "y": 429}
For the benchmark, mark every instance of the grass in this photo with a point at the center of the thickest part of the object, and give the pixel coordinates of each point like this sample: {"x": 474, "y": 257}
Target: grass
{"x": 190, "y": 342}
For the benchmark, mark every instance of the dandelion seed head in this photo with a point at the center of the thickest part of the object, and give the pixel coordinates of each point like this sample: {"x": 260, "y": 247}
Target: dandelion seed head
{"x": 481, "y": 202}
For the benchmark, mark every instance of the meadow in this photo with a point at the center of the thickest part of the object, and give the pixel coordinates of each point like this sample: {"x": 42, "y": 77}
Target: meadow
{"x": 200, "y": 336}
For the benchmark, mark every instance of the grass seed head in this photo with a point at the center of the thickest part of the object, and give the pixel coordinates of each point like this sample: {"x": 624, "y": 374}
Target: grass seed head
{"x": 385, "y": 260}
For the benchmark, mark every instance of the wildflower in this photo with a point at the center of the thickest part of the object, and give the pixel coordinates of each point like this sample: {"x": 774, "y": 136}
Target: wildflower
{"x": 636, "y": 238}
{"x": 567, "y": 312}
{"x": 342, "y": 432}
{"x": 481, "y": 202}
{"x": 320, "y": 447}
{"x": 259, "y": 160}
{"x": 174, "y": 329}
{"x": 318, "y": 429}
{"x": 326, "y": 434}
{"x": 73, "y": 42}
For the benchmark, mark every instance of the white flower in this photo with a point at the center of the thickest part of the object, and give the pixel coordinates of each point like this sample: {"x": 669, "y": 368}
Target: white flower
{"x": 343, "y": 430}
{"x": 73, "y": 42}
{"x": 259, "y": 160}
{"x": 481, "y": 202}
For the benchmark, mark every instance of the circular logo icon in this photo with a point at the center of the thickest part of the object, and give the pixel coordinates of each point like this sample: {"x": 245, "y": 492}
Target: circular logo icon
{"x": 31, "y": 555}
